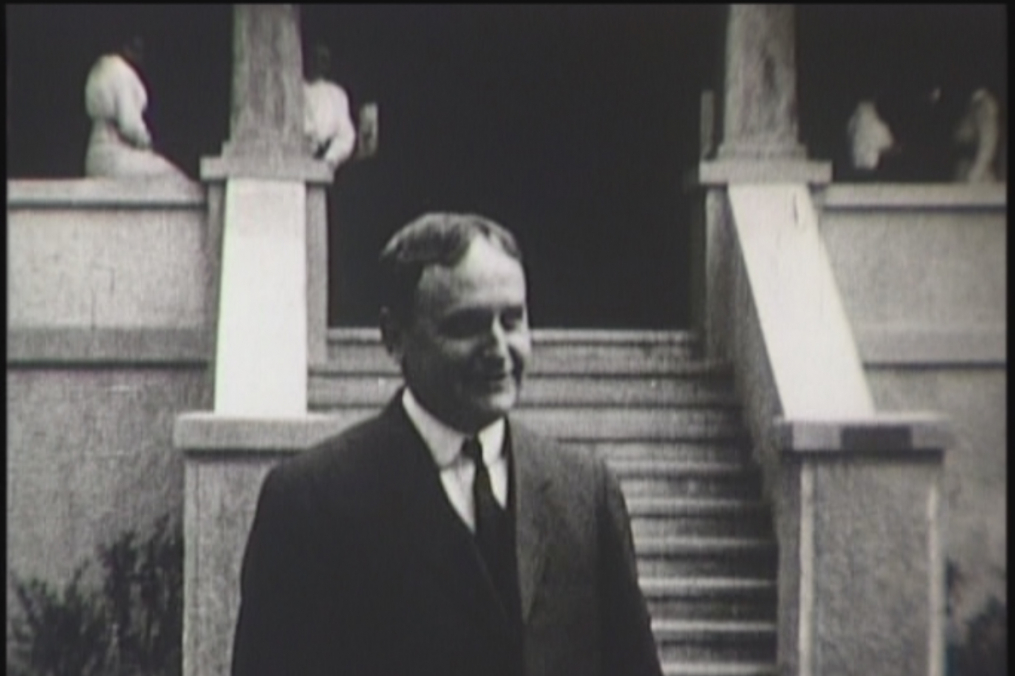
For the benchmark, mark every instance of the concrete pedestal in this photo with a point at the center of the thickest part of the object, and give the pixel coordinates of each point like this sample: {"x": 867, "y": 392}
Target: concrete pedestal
{"x": 861, "y": 571}
{"x": 225, "y": 462}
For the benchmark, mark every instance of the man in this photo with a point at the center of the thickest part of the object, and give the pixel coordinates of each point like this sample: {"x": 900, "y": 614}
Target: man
{"x": 326, "y": 122}
{"x": 120, "y": 145}
{"x": 402, "y": 547}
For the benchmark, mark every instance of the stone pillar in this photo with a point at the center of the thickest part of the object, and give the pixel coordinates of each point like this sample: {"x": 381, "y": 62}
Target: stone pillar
{"x": 760, "y": 119}
{"x": 262, "y": 337}
{"x": 759, "y": 104}
{"x": 267, "y": 95}
{"x": 267, "y": 220}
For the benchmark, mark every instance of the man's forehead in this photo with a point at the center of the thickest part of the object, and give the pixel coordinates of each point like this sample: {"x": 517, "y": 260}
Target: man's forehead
{"x": 484, "y": 268}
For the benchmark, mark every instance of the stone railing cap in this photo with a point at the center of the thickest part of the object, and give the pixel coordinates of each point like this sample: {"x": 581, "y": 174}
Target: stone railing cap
{"x": 104, "y": 192}
{"x": 281, "y": 167}
{"x": 719, "y": 172}
{"x": 922, "y": 196}
{"x": 881, "y": 433}
{"x": 208, "y": 432}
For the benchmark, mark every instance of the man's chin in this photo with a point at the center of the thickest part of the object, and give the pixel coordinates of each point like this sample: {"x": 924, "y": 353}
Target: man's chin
{"x": 491, "y": 406}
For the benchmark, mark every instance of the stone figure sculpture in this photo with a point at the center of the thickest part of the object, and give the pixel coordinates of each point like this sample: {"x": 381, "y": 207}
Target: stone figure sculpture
{"x": 326, "y": 122}
{"x": 120, "y": 144}
{"x": 869, "y": 137}
{"x": 978, "y": 130}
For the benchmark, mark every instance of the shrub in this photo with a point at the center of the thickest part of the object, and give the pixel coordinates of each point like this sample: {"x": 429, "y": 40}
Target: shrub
{"x": 131, "y": 626}
{"x": 984, "y": 652}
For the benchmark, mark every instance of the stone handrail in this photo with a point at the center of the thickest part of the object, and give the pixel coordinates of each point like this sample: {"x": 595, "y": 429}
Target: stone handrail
{"x": 84, "y": 193}
{"x": 855, "y": 494}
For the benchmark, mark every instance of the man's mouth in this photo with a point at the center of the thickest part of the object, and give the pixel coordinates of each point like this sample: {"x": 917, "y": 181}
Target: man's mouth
{"x": 497, "y": 379}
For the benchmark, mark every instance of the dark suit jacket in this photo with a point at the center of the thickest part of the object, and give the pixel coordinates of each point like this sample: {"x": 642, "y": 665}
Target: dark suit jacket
{"x": 357, "y": 564}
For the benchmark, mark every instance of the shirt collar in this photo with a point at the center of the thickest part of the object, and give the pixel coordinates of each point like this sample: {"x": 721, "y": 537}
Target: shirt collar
{"x": 444, "y": 442}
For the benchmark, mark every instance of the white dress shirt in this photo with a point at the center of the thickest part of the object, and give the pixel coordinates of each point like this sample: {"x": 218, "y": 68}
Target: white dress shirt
{"x": 457, "y": 471}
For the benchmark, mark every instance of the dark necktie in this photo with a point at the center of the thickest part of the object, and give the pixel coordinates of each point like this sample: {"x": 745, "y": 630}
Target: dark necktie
{"x": 489, "y": 515}
{"x": 495, "y": 537}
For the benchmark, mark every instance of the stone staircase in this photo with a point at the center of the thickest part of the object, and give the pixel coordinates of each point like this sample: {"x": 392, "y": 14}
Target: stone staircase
{"x": 669, "y": 427}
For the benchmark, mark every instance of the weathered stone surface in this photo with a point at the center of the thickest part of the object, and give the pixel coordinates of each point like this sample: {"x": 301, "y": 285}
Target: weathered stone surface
{"x": 267, "y": 95}
{"x": 935, "y": 261}
{"x": 220, "y": 501}
{"x": 96, "y": 257}
{"x": 974, "y": 489}
{"x": 878, "y": 573}
{"x": 261, "y": 348}
{"x": 89, "y": 456}
{"x": 760, "y": 111}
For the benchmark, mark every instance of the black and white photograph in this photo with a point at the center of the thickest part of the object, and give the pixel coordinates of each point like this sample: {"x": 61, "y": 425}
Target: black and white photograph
{"x": 506, "y": 340}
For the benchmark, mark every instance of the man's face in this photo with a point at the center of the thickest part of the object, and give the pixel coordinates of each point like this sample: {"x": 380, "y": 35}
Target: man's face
{"x": 465, "y": 350}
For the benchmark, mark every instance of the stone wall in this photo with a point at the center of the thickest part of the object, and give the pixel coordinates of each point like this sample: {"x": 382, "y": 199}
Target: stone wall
{"x": 108, "y": 341}
{"x": 922, "y": 272}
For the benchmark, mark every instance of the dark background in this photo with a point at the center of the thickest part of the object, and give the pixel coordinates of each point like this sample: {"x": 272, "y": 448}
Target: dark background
{"x": 572, "y": 125}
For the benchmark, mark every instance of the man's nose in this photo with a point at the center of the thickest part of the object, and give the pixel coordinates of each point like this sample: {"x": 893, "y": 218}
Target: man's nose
{"x": 497, "y": 340}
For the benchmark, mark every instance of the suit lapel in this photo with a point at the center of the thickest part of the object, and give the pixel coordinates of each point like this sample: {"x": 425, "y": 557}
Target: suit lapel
{"x": 531, "y": 515}
{"x": 443, "y": 542}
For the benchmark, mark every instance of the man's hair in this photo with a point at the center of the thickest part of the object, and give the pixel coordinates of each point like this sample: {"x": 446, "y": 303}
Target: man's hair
{"x": 432, "y": 239}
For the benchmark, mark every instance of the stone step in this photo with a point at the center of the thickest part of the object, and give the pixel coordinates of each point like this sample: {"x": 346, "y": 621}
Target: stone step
{"x": 553, "y": 351}
{"x": 719, "y": 669}
{"x": 652, "y": 478}
{"x": 707, "y": 556}
{"x": 711, "y": 517}
{"x": 710, "y": 598}
{"x": 717, "y": 641}
{"x": 588, "y": 423}
{"x": 716, "y": 450}
{"x": 329, "y": 388}
{"x": 561, "y": 360}
{"x": 598, "y": 424}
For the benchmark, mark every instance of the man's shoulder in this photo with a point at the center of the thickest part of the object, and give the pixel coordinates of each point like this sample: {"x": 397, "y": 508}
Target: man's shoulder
{"x": 346, "y": 455}
{"x": 552, "y": 453}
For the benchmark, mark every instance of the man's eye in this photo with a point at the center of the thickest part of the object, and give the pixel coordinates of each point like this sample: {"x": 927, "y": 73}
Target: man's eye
{"x": 513, "y": 319}
{"x": 464, "y": 325}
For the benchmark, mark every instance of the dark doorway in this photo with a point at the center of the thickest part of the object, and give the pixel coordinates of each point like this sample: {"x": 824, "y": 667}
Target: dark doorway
{"x": 571, "y": 125}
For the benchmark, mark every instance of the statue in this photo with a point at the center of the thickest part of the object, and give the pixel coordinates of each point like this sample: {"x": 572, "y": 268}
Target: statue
{"x": 869, "y": 137}
{"x": 327, "y": 126}
{"x": 978, "y": 129}
{"x": 120, "y": 145}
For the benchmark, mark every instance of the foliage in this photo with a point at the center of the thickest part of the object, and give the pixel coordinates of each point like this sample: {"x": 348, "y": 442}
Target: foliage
{"x": 60, "y": 633}
{"x": 985, "y": 649}
{"x": 130, "y": 626}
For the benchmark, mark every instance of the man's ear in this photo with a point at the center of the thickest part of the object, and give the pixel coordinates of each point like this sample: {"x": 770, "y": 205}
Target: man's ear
{"x": 392, "y": 334}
